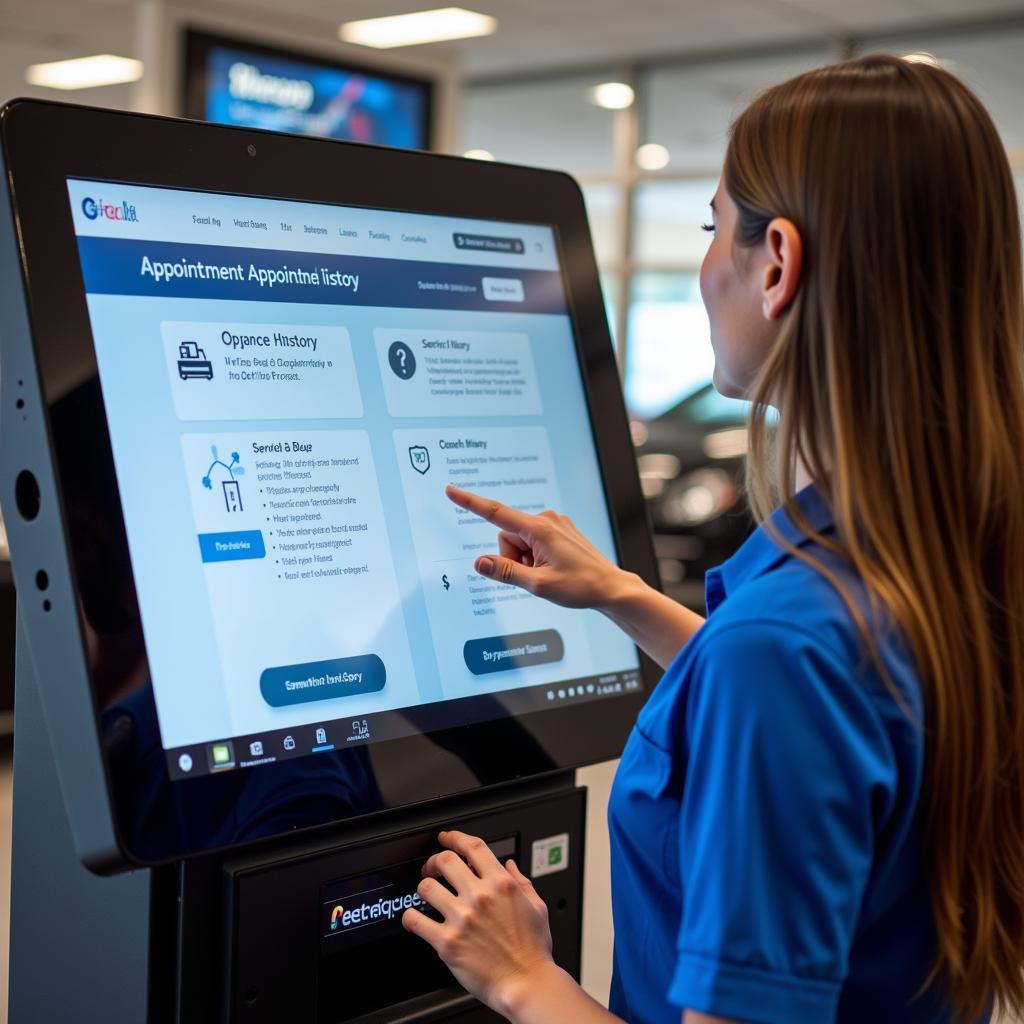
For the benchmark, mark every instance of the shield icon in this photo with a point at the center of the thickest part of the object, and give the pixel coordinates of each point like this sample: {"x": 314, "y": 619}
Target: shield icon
{"x": 420, "y": 458}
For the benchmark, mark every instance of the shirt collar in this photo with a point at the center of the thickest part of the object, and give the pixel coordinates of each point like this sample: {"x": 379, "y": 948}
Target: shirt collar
{"x": 761, "y": 552}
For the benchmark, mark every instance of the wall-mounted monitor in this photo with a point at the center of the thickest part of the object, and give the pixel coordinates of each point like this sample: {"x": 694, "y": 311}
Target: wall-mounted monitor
{"x": 236, "y": 82}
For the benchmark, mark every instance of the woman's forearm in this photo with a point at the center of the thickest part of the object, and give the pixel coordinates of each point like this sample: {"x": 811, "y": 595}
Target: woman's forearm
{"x": 547, "y": 995}
{"x": 656, "y": 624}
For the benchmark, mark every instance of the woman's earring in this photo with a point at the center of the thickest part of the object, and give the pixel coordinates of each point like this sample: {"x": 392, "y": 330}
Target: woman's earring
{"x": 766, "y": 309}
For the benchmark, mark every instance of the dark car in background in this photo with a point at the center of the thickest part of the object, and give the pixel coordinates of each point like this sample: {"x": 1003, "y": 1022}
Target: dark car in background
{"x": 691, "y": 466}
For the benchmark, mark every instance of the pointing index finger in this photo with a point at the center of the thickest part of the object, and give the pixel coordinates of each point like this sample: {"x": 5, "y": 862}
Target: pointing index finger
{"x": 502, "y": 516}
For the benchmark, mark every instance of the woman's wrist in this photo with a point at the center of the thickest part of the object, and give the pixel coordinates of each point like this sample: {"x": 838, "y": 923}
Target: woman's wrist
{"x": 524, "y": 996}
{"x": 656, "y": 623}
{"x": 623, "y": 592}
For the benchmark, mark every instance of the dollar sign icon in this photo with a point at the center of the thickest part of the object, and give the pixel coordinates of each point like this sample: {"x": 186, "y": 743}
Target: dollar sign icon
{"x": 444, "y": 580}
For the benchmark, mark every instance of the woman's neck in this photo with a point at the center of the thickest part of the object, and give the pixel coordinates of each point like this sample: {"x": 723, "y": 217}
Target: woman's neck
{"x": 801, "y": 477}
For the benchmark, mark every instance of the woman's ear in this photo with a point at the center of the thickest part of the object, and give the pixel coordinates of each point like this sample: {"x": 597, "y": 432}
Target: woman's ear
{"x": 785, "y": 265}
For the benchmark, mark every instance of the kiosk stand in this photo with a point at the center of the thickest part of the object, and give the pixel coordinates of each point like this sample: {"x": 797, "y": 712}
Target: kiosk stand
{"x": 234, "y": 939}
{"x": 79, "y": 942}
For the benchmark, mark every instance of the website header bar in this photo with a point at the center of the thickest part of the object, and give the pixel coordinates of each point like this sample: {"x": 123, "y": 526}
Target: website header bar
{"x": 135, "y": 212}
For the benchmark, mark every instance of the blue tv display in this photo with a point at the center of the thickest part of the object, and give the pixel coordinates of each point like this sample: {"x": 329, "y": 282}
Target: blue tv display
{"x": 231, "y": 82}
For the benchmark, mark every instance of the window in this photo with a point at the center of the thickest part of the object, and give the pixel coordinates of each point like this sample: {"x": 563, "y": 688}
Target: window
{"x": 668, "y": 216}
{"x": 689, "y": 107}
{"x": 543, "y": 122}
{"x": 604, "y": 210}
{"x": 670, "y": 342}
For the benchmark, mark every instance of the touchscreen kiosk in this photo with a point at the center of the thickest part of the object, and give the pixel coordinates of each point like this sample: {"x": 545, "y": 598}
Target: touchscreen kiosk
{"x": 239, "y": 370}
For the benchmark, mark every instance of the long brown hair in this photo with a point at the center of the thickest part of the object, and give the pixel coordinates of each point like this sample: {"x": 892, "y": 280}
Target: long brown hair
{"x": 898, "y": 378}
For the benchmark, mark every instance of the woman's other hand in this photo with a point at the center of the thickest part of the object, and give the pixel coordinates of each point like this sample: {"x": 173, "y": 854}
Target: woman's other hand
{"x": 547, "y": 555}
{"x": 495, "y": 934}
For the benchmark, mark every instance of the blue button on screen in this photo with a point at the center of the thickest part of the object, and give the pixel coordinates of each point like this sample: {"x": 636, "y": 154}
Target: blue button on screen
{"x": 322, "y": 680}
{"x": 231, "y": 547}
{"x": 519, "y": 650}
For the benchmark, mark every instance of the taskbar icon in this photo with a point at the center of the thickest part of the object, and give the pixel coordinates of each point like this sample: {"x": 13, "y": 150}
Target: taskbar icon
{"x": 221, "y": 756}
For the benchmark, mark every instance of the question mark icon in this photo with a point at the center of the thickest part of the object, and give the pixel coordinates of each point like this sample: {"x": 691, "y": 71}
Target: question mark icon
{"x": 402, "y": 361}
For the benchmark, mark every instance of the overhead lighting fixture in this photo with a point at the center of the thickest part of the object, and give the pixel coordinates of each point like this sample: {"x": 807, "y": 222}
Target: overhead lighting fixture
{"x": 612, "y": 95}
{"x": 85, "y": 72}
{"x": 479, "y": 154}
{"x": 922, "y": 58}
{"x": 437, "y": 26}
{"x": 652, "y": 157}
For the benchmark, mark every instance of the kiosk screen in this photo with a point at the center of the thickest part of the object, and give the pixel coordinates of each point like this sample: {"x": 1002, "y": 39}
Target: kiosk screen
{"x": 289, "y": 387}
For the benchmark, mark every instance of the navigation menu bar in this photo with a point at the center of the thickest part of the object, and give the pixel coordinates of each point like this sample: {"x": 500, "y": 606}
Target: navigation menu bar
{"x": 168, "y": 215}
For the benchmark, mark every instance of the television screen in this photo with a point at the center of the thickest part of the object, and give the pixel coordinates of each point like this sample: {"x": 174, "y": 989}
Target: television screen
{"x": 237, "y": 83}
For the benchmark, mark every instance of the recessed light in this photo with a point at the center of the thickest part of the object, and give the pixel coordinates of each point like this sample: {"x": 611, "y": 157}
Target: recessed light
{"x": 479, "y": 154}
{"x": 420, "y": 27}
{"x": 922, "y": 58}
{"x": 652, "y": 156}
{"x": 85, "y": 72}
{"x": 612, "y": 95}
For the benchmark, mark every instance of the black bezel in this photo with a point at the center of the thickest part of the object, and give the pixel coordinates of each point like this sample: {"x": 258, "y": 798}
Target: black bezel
{"x": 198, "y": 45}
{"x": 45, "y": 144}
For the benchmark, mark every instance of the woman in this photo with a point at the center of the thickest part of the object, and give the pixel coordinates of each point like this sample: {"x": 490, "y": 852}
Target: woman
{"x": 819, "y": 815}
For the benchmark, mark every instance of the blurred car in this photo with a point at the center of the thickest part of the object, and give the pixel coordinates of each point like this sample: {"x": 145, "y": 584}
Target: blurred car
{"x": 691, "y": 467}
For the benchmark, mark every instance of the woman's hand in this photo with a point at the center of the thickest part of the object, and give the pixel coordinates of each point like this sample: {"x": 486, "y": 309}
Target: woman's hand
{"x": 495, "y": 932}
{"x": 546, "y": 555}
{"x": 549, "y": 557}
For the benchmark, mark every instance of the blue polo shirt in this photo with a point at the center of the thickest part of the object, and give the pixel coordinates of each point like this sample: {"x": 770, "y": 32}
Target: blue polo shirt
{"x": 766, "y": 850}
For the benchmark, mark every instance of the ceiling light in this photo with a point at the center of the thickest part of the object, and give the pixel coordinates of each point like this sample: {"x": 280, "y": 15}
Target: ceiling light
{"x": 612, "y": 95}
{"x": 479, "y": 154}
{"x": 922, "y": 58}
{"x": 652, "y": 157}
{"x": 419, "y": 27}
{"x": 85, "y": 72}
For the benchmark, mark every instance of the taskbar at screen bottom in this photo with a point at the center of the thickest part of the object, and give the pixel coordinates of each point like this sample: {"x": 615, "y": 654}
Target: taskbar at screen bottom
{"x": 305, "y": 740}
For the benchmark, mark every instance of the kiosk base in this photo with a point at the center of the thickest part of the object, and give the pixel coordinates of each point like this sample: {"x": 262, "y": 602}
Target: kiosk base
{"x": 246, "y": 937}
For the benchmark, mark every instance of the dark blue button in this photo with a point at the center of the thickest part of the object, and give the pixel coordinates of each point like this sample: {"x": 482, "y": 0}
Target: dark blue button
{"x": 519, "y": 650}
{"x": 231, "y": 547}
{"x": 322, "y": 680}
